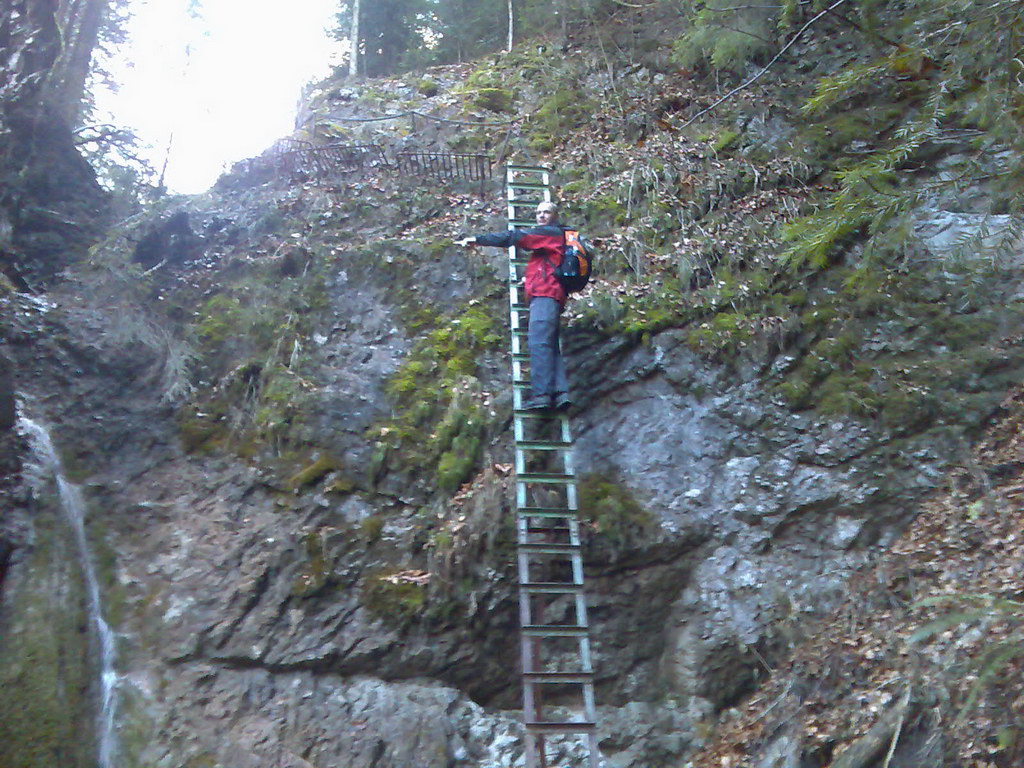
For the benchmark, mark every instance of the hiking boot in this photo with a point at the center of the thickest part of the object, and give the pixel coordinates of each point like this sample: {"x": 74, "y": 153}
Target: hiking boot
{"x": 537, "y": 403}
{"x": 562, "y": 401}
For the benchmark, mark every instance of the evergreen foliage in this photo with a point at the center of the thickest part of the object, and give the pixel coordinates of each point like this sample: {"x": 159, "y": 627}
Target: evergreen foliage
{"x": 389, "y": 31}
{"x": 465, "y": 29}
{"x": 955, "y": 76}
{"x": 725, "y": 39}
{"x": 399, "y": 35}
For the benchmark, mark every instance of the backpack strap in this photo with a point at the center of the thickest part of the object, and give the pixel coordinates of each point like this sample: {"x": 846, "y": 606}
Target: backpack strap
{"x": 565, "y": 244}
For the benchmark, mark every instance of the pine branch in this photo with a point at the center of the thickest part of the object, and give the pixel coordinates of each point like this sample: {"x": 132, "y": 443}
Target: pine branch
{"x": 767, "y": 66}
{"x": 860, "y": 28}
{"x": 744, "y": 32}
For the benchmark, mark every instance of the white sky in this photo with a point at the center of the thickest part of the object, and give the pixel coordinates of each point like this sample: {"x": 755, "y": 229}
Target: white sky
{"x": 225, "y": 85}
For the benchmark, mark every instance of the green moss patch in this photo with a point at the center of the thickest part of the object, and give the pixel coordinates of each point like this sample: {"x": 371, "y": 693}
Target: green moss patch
{"x": 427, "y": 87}
{"x": 397, "y": 597}
{"x": 441, "y": 417}
{"x": 486, "y": 89}
{"x": 46, "y": 670}
{"x": 315, "y": 575}
{"x": 314, "y": 472}
{"x": 618, "y": 520}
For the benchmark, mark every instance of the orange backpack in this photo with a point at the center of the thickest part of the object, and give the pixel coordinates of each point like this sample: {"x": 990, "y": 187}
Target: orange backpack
{"x": 577, "y": 262}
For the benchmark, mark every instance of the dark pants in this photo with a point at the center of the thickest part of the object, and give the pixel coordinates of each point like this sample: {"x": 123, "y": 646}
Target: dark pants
{"x": 547, "y": 370}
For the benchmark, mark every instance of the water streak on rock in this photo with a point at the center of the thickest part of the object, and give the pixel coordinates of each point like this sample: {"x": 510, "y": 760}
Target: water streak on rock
{"x": 73, "y": 506}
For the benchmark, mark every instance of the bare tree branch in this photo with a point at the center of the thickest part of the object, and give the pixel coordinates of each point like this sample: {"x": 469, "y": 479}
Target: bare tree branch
{"x": 110, "y": 133}
{"x": 743, "y": 8}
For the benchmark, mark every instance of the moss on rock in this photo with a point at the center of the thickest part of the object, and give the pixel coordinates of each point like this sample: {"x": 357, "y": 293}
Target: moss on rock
{"x": 314, "y": 472}
{"x": 45, "y": 666}
{"x": 392, "y": 597}
{"x": 619, "y": 521}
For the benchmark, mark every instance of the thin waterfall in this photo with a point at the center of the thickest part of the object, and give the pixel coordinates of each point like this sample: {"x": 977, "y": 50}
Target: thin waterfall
{"x": 73, "y": 505}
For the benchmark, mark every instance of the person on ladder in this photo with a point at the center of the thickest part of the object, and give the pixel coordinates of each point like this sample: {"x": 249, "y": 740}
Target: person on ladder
{"x": 549, "y": 386}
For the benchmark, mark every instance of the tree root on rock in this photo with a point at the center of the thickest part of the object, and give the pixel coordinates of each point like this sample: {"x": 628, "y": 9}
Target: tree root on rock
{"x": 886, "y": 732}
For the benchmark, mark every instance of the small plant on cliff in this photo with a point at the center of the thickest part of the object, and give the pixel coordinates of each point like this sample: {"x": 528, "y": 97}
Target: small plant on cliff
{"x": 427, "y": 87}
{"x": 486, "y": 90}
{"x": 1001, "y": 617}
{"x": 316, "y": 571}
{"x": 559, "y": 114}
{"x": 252, "y": 341}
{"x": 619, "y": 521}
{"x": 395, "y": 596}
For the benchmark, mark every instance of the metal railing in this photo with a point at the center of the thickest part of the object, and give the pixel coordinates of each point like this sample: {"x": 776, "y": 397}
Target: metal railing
{"x": 444, "y": 165}
{"x": 301, "y": 160}
{"x": 321, "y": 162}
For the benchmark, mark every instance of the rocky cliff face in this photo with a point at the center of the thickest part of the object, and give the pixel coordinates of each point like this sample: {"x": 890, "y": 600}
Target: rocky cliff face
{"x": 308, "y": 621}
{"x": 293, "y": 443}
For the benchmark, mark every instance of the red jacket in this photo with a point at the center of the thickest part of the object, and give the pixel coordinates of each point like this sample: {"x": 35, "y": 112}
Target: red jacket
{"x": 547, "y": 244}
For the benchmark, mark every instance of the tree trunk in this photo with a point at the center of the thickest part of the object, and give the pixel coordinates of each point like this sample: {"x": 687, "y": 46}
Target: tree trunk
{"x": 51, "y": 208}
{"x": 353, "y": 61}
{"x": 511, "y": 26}
{"x": 30, "y": 43}
{"x": 80, "y": 22}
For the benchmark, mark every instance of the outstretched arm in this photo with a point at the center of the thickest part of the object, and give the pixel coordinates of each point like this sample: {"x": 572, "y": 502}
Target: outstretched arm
{"x": 495, "y": 239}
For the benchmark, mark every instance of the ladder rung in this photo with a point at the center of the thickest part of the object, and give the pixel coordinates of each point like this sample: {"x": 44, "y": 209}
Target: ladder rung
{"x": 543, "y": 445}
{"x": 550, "y": 536}
{"x": 520, "y": 307}
{"x": 546, "y": 477}
{"x": 523, "y": 201}
{"x": 547, "y": 414}
{"x": 550, "y": 549}
{"x": 522, "y": 223}
{"x": 564, "y": 726}
{"x": 550, "y": 588}
{"x": 547, "y": 512}
{"x": 528, "y": 185}
{"x": 558, "y": 677}
{"x": 518, "y": 167}
{"x": 547, "y": 529}
{"x": 554, "y": 630}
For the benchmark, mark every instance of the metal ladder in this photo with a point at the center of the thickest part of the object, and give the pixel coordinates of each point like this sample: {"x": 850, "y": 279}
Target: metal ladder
{"x": 555, "y": 640}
